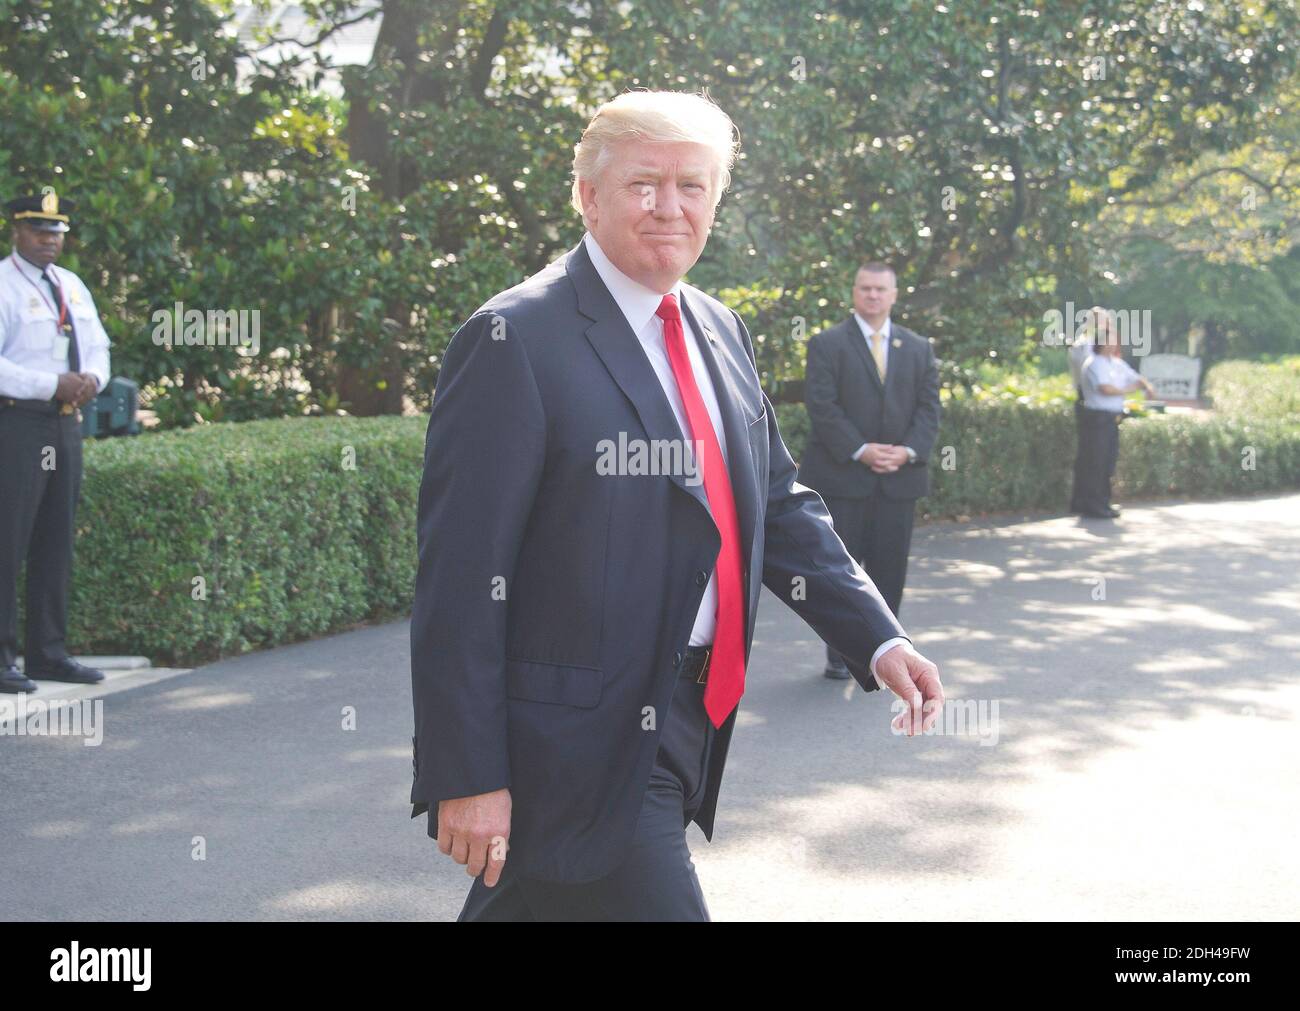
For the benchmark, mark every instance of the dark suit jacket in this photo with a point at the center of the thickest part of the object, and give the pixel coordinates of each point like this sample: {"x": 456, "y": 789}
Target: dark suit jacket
{"x": 553, "y": 603}
{"x": 848, "y": 405}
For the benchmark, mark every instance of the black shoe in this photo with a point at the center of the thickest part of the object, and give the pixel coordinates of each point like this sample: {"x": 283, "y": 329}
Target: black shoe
{"x": 14, "y": 682}
{"x": 68, "y": 669}
{"x": 837, "y": 673}
{"x": 1093, "y": 514}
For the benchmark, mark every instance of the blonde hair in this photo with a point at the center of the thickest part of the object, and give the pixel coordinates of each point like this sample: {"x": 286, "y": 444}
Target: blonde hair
{"x": 663, "y": 117}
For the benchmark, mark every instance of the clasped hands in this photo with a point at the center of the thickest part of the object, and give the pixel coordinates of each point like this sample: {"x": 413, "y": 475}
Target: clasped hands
{"x": 883, "y": 458}
{"x": 76, "y": 388}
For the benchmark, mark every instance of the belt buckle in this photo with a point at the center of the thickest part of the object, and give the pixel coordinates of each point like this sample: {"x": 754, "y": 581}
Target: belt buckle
{"x": 704, "y": 667}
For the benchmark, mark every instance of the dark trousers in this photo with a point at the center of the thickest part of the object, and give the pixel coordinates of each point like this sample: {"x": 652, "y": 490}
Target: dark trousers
{"x": 877, "y": 531}
{"x": 1094, "y": 462}
{"x": 40, "y": 483}
{"x": 657, "y": 879}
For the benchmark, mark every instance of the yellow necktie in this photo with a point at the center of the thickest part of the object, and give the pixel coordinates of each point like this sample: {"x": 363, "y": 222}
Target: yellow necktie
{"x": 878, "y": 352}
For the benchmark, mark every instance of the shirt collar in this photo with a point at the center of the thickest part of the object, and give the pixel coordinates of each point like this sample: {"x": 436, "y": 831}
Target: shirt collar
{"x": 28, "y": 269}
{"x": 865, "y": 327}
{"x": 637, "y": 302}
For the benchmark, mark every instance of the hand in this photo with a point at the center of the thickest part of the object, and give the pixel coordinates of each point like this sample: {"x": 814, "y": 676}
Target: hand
{"x": 890, "y": 459}
{"x": 915, "y": 680}
{"x": 871, "y": 456}
{"x": 474, "y": 831}
{"x": 69, "y": 388}
{"x": 89, "y": 388}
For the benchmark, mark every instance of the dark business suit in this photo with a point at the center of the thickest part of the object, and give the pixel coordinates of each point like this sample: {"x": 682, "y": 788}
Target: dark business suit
{"x": 561, "y": 687}
{"x": 849, "y": 405}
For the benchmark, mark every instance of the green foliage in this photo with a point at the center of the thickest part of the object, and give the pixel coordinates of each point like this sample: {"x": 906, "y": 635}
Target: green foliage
{"x": 973, "y": 145}
{"x": 289, "y": 541}
{"x": 1010, "y": 446}
{"x": 1262, "y": 390}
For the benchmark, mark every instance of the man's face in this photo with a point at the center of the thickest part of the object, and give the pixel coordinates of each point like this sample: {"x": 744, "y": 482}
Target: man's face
{"x": 1106, "y": 340}
{"x": 651, "y": 209}
{"x": 874, "y": 293}
{"x": 36, "y": 246}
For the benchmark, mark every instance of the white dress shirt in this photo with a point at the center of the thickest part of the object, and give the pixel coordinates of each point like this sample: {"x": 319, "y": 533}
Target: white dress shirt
{"x": 31, "y": 356}
{"x": 639, "y": 306}
{"x": 1101, "y": 370}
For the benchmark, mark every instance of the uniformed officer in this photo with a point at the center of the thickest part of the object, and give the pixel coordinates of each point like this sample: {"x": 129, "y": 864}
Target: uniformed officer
{"x": 53, "y": 359}
{"x": 1105, "y": 380}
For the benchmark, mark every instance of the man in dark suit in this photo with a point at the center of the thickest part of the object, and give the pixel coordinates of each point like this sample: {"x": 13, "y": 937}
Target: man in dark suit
{"x": 604, "y": 495}
{"x": 872, "y": 391}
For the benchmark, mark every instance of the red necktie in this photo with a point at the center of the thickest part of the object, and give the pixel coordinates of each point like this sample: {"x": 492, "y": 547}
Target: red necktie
{"x": 726, "y": 682}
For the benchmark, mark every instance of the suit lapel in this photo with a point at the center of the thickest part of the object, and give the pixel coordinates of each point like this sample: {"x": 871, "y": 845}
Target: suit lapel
{"x": 718, "y": 357}
{"x": 620, "y": 350}
{"x": 853, "y": 333}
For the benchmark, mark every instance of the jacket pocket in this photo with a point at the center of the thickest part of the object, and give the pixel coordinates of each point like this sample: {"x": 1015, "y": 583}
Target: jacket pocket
{"x": 559, "y": 684}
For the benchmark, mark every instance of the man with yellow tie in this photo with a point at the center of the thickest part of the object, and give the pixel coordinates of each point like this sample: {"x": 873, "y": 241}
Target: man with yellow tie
{"x": 872, "y": 392}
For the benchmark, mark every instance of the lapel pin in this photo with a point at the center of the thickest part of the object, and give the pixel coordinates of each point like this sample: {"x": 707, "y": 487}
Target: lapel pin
{"x": 897, "y": 343}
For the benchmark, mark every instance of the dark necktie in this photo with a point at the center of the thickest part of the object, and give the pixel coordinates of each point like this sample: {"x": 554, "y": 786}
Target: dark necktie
{"x": 65, "y": 319}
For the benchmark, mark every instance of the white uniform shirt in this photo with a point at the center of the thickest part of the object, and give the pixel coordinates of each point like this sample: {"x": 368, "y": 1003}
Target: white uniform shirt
{"x": 639, "y": 305}
{"x": 31, "y": 356}
{"x": 1102, "y": 369}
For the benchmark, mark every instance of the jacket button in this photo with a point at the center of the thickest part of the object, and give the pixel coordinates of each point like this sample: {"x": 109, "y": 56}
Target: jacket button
{"x": 701, "y": 578}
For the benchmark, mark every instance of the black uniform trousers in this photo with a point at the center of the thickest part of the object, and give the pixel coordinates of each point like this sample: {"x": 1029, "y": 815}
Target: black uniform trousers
{"x": 40, "y": 483}
{"x": 877, "y": 532}
{"x": 1094, "y": 462}
{"x": 656, "y": 881}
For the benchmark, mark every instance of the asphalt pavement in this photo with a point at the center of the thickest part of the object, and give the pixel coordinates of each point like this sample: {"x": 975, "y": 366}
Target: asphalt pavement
{"x": 1120, "y": 743}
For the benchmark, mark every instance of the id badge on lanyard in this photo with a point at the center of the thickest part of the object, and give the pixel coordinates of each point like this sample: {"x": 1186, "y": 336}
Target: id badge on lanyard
{"x": 62, "y": 340}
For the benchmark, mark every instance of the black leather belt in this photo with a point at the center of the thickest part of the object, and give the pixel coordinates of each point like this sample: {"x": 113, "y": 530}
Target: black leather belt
{"x": 696, "y": 663}
{"x": 53, "y": 407}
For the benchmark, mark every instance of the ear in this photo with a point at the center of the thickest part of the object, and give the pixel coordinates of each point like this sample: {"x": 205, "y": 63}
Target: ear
{"x": 587, "y": 194}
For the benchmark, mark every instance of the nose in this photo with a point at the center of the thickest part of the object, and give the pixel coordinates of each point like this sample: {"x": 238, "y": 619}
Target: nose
{"x": 667, "y": 204}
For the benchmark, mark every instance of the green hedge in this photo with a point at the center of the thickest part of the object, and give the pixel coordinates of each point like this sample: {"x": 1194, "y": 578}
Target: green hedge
{"x": 1011, "y": 456}
{"x": 292, "y": 544}
{"x": 1256, "y": 389}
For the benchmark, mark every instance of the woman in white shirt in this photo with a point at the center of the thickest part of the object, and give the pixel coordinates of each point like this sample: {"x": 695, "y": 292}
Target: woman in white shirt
{"x": 1105, "y": 380}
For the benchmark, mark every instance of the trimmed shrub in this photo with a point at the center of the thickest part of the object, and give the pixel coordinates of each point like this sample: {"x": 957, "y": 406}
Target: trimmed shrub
{"x": 199, "y": 543}
{"x": 217, "y": 540}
